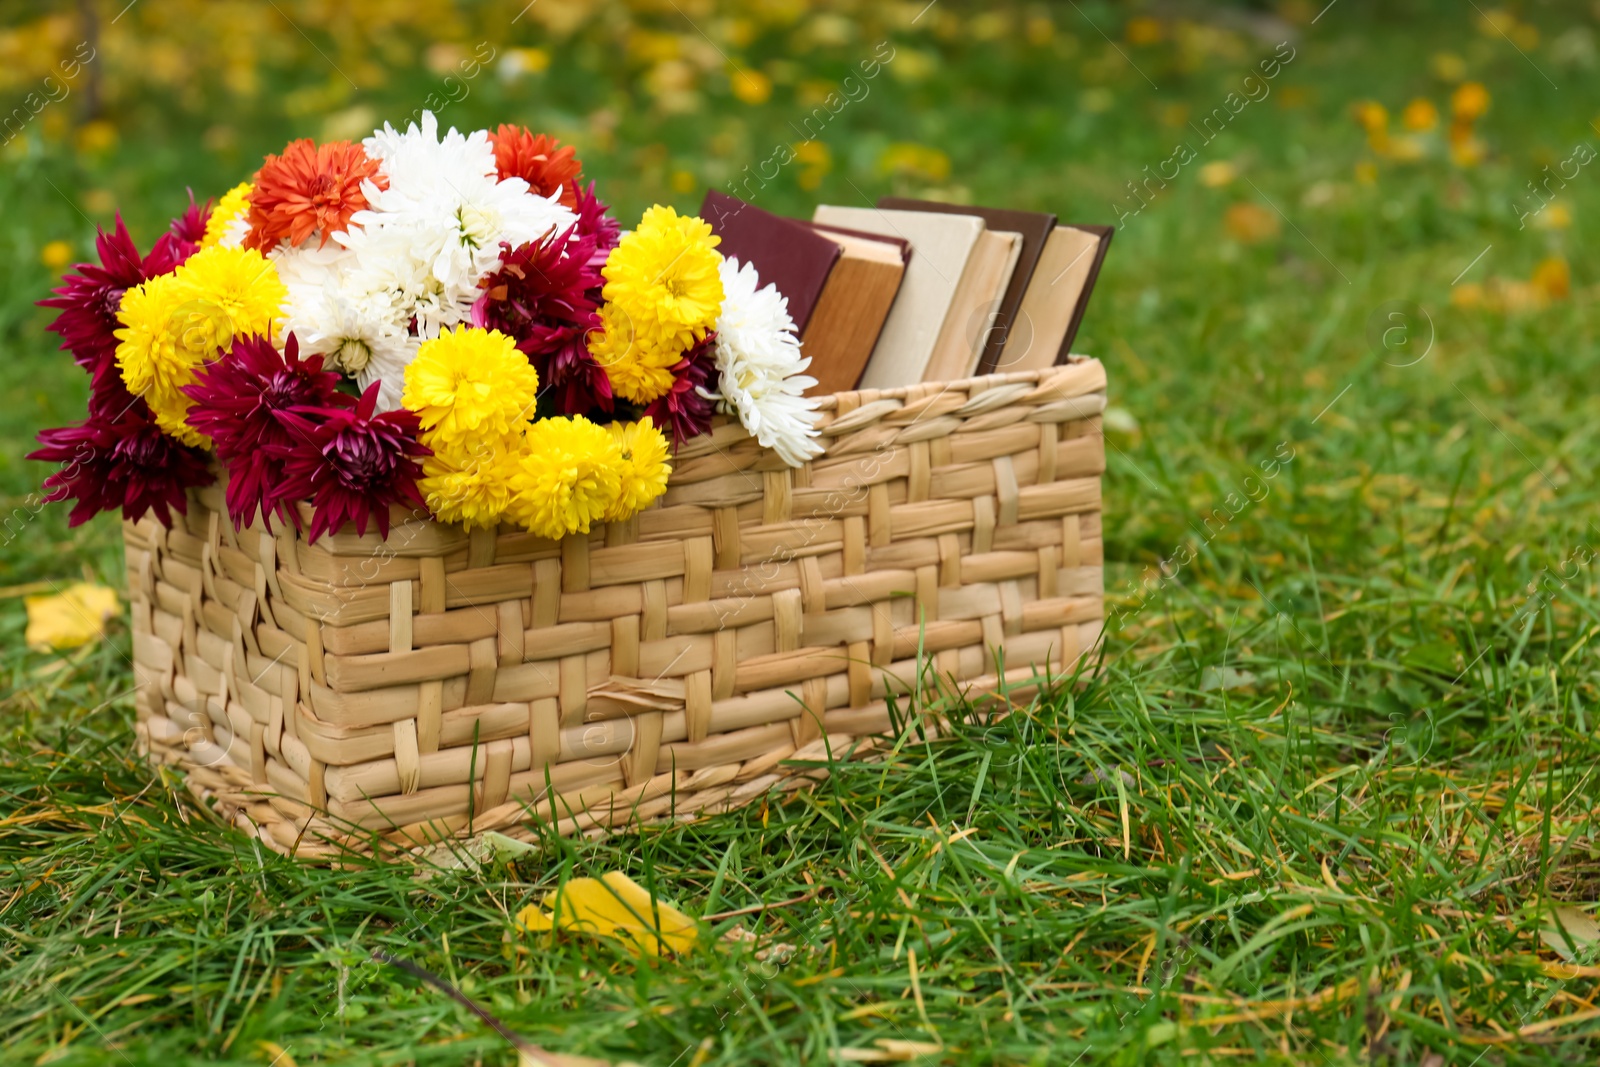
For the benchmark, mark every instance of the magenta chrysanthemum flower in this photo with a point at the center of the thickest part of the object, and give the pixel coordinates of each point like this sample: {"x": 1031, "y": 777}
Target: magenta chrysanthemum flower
{"x": 90, "y": 298}
{"x": 574, "y": 379}
{"x": 595, "y": 222}
{"x": 683, "y": 411}
{"x": 239, "y": 401}
{"x": 182, "y": 238}
{"x": 351, "y": 463}
{"x": 546, "y": 295}
{"x": 120, "y": 459}
{"x": 542, "y": 293}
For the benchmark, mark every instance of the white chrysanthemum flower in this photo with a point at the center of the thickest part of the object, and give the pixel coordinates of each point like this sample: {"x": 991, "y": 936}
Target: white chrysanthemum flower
{"x": 435, "y": 231}
{"x": 359, "y": 330}
{"x": 758, "y": 355}
{"x": 234, "y": 233}
{"x": 408, "y": 267}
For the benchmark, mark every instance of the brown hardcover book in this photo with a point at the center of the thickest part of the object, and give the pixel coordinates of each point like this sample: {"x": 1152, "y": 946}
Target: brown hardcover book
{"x": 899, "y": 242}
{"x": 1035, "y": 228}
{"x": 1052, "y": 309}
{"x": 853, "y": 306}
{"x": 786, "y": 252}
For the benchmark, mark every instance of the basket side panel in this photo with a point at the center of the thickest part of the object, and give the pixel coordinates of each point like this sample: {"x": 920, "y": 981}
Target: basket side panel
{"x": 373, "y": 692}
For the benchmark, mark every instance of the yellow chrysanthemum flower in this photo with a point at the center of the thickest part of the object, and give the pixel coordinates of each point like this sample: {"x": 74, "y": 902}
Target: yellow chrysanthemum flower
{"x": 469, "y": 383}
{"x": 640, "y": 368}
{"x": 158, "y": 351}
{"x": 664, "y": 276}
{"x": 233, "y": 205}
{"x": 644, "y": 468}
{"x": 470, "y": 481}
{"x": 241, "y": 282}
{"x": 568, "y": 477}
{"x": 176, "y": 323}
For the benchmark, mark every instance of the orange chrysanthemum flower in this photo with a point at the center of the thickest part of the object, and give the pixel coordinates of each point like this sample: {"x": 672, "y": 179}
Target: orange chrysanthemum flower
{"x": 308, "y": 188}
{"x": 543, "y": 162}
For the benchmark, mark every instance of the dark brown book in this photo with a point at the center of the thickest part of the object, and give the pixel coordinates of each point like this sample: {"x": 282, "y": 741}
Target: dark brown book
{"x": 851, "y": 311}
{"x": 1035, "y": 228}
{"x": 786, "y": 252}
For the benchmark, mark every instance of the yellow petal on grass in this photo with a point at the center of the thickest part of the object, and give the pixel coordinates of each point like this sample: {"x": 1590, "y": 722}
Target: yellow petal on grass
{"x": 1144, "y": 30}
{"x": 1420, "y": 115}
{"x": 75, "y": 616}
{"x": 751, "y": 86}
{"x": 1555, "y": 217}
{"x": 1250, "y": 223}
{"x": 1447, "y": 67}
{"x": 617, "y": 907}
{"x": 56, "y": 254}
{"x": 1553, "y": 278}
{"x": 1216, "y": 174}
{"x": 915, "y": 160}
{"x": 1468, "y": 295}
{"x": 1469, "y": 102}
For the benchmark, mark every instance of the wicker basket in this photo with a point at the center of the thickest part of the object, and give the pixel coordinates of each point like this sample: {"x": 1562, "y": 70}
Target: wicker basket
{"x": 374, "y": 694}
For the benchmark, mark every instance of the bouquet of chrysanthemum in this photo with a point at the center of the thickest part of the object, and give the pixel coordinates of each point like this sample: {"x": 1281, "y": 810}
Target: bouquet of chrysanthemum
{"x": 453, "y": 323}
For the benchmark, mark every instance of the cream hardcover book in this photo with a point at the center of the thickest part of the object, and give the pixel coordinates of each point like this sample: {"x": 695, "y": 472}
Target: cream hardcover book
{"x": 973, "y": 311}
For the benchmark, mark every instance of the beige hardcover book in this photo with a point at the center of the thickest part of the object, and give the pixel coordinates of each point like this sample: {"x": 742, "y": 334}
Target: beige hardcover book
{"x": 1052, "y": 300}
{"x": 959, "y": 350}
{"x": 940, "y": 248}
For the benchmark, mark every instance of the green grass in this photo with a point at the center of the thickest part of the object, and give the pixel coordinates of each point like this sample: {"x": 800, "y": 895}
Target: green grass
{"x": 1337, "y": 773}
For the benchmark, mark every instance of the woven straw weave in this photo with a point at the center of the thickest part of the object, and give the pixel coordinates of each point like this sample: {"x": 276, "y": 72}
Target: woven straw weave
{"x": 373, "y": 694}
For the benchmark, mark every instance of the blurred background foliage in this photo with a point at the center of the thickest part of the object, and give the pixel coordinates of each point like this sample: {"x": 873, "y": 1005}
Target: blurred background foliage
{"x": 1393, "y": 143}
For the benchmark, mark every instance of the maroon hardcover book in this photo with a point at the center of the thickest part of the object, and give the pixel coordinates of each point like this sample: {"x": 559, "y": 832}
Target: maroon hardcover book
{"x": 785, "y": 251}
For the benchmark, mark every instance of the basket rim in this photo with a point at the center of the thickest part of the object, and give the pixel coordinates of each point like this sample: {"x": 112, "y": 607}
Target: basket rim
{"x": 832, "y": 401}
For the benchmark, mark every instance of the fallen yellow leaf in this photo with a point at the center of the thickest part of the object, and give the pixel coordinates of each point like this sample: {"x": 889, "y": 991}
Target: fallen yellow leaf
{"x": 274, "y": 1053}
{"x": 1568, "y": 931}
{"x": 73, "y": 617}
{"x": 617, "y": 907}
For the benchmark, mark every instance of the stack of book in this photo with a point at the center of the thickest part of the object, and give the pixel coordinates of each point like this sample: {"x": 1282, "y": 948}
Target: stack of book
{"x": 919, "y": 291}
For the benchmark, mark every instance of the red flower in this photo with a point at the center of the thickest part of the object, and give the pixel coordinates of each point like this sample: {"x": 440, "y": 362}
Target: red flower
{"x": 595, "y": 222}
{"x": 182, "y": 238}
{"x": 543, "y": 162}
{"x": 577, "y": 383}
{"x": 309, "y": 188}
{"x": 351, "y": 464}
{"x": 120, "y": 459}
{"x": 682, "y": 412}
{"x": 239, "y": 403}
{"x": 546, "y": 295}
{"x": 90, "y": 298}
